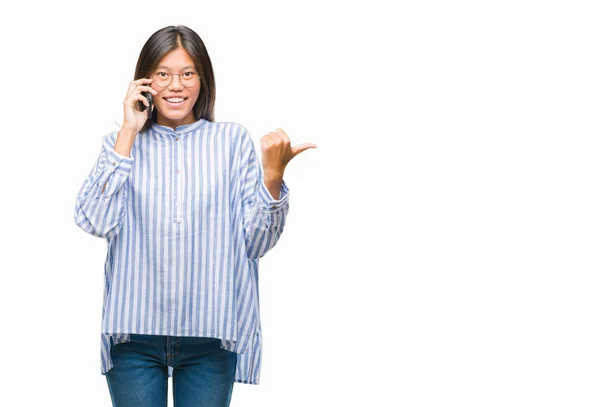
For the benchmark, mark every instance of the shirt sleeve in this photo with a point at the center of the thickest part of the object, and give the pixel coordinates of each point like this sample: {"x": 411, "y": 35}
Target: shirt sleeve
{"x": 264, "y": 217}
{"x": 101, "y": 213}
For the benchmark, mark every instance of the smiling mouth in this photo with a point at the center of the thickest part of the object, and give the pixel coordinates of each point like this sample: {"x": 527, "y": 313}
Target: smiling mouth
{"x": 175, "y": 100}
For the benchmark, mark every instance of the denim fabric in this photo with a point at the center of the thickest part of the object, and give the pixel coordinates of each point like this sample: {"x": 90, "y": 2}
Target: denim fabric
{"x": 203, "y": 372}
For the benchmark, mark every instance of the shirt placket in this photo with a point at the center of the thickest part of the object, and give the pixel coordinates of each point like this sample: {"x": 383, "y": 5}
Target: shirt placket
{"x": 178, "y": 182}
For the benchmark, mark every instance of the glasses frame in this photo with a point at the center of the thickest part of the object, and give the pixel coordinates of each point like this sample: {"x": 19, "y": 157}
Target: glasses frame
{"x": 171, "y": 81}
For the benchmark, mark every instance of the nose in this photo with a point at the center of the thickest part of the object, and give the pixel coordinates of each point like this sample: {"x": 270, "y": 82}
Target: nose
{"x": 175, "y": 85}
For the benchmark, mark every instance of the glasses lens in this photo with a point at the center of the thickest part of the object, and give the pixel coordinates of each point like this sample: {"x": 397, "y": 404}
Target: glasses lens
{"x": 162, "y": 79}
{"x": 189, "y": 79}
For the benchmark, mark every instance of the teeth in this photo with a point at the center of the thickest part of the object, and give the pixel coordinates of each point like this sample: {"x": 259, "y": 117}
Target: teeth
{"x": 175, "y": 100}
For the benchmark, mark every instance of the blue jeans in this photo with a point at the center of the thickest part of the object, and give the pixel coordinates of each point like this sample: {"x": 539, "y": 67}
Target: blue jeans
{"x": 203, "y": 372}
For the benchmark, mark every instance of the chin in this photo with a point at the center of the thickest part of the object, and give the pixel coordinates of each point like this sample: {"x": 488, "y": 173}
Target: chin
{"x": 176, "y": 116}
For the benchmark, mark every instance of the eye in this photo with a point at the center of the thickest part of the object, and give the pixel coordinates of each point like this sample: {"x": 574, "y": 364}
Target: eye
{"x": 162, "y": 74}
{"x": 189, "y": 74}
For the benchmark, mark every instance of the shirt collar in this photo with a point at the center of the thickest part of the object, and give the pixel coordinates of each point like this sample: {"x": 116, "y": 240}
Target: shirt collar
{"x": 184, "y": 128}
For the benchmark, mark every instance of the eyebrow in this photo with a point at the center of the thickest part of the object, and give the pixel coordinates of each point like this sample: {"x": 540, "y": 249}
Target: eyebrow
{"x": 166, "y": 67}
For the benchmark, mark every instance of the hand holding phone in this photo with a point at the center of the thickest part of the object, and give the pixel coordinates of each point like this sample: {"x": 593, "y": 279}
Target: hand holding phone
{"x": 138, "y": 104}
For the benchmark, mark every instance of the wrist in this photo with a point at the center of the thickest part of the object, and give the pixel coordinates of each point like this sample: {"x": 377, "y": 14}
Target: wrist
{"x": 273, "y": 174}
{"x": 127, "y": 133}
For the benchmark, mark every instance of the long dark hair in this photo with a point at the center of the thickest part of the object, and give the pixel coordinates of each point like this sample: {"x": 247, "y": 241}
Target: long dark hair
{"x": 166, "y": 40}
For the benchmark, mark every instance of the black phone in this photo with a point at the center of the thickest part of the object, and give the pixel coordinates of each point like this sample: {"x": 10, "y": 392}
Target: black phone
{"x": 143, "y": 107}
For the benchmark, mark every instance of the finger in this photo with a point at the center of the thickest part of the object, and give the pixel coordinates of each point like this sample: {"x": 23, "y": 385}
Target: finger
{"x": 301, "y": 147}
{"x": 142, "y": 89}
{"x": 144, "y": 99}
{"x": 133, "y": 84}
{"x": 277, "y": 138}
{"x": 142, "y": 80}
{"x": 131, "y": 100}
{"x": 268, "y": 140}
{"x": 283, "y": 136}
{"x": 147, "y": 89}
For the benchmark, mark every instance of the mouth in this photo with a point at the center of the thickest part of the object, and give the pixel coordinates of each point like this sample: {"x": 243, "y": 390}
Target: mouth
{"x": 175, "y": 101}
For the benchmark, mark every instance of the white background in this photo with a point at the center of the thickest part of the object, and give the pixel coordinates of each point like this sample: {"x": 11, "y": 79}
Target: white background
{"x": 442, "y": 242}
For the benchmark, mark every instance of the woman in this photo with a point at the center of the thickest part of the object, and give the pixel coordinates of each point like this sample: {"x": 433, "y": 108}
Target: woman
{"x": 187, "y": 211}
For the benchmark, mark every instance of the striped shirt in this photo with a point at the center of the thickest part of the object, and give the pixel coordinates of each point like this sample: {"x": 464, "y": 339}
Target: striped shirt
{"x": 186, "y": 218}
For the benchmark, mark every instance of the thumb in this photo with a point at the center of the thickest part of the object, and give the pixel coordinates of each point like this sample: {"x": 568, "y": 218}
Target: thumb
{"x": 301, "y": 147}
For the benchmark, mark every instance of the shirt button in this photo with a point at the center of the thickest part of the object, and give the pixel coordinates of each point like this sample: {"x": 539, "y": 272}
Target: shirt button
{"x": 177, "y": 171}
{"x": 177, "y": 138}
{"x": 114, "y": 163}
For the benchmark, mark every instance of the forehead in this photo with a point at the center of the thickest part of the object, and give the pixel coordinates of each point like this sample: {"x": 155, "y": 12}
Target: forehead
{"x": 176, "y": 59}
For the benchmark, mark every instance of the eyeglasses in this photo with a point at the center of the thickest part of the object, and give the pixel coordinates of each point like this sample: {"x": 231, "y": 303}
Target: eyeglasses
{"x": 187, "y": 79}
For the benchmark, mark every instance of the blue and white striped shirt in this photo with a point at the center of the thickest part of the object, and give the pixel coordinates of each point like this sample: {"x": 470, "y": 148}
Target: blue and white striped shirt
{"x": 186, "y": 218}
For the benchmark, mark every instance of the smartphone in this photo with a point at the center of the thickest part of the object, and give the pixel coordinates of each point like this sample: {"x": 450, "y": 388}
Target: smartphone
{"x": 142, "y": 106}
